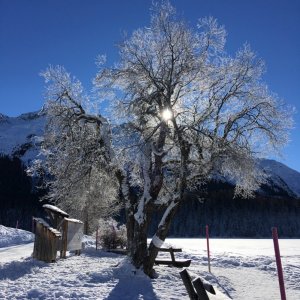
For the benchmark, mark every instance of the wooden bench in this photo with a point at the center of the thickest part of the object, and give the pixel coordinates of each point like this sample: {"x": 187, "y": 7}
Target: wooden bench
{"x": 173, "y": 262}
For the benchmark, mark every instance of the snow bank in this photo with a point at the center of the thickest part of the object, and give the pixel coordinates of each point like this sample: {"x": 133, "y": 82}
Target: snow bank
{"x": 12, "y": 236}
{"x": 88, "y": 242}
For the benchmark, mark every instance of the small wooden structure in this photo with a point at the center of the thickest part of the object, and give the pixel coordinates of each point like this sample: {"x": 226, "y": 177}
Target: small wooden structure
{"x": 173, "y": 262}
{"x": 46, "y": 241}
{"x": 62, "y": 234}
{"x": 197, "y": 290}
{"x": 72, "y": 233}
{"x": 56, "y": 215}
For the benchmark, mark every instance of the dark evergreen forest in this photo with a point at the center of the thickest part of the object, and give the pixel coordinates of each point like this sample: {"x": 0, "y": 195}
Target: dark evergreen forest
{"x": 227, "y": 216}
{"x": 236, "y": 217}
{"x": 18, "y": 200}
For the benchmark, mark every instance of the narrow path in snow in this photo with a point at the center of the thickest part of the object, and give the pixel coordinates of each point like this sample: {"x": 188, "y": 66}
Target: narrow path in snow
{"x": 8, "y": 254}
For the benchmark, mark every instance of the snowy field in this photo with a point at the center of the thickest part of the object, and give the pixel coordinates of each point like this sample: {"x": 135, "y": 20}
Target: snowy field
{"x": 246, "y": 268}
{"x": 241, "y": 269}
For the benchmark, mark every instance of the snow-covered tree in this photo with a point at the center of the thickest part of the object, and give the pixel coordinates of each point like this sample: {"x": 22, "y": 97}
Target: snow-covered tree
{"x": 76, "y": 152}
{"x": 191, "y": 111}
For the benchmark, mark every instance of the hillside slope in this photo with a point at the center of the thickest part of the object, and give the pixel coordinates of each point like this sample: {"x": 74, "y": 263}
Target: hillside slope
{"x": 21, "y": 136}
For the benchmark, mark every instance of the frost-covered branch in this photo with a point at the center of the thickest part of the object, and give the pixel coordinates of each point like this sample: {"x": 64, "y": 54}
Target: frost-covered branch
{"x": 77, "y": 151}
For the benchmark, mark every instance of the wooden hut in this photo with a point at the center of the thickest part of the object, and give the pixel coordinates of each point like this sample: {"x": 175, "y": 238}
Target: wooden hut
{"x": 47, "y": 240}
{"x": 56, "y": 215}
{"x": 62, "y": 234}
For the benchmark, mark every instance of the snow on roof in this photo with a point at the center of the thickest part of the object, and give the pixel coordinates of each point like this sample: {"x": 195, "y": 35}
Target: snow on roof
{"x": 73, "y": 220}
{"x": 55, "y": 209}
{"x": 42, "y": 221}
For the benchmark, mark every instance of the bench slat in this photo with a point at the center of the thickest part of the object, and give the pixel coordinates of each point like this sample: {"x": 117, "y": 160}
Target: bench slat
{"x": 170, "y": 249}
{"x": 177, "y": 263}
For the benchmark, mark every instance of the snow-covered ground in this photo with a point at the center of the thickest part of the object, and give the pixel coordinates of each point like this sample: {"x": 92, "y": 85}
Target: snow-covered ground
{"x": 241, "y": 269}
{"x": 12, "y": 236}
{"x": 246, "y": 268}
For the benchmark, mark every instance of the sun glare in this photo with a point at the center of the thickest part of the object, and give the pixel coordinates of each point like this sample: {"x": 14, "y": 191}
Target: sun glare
{"x": 167, "y": 114}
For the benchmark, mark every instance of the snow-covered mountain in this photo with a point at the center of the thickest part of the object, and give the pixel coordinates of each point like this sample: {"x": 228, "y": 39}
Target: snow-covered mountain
{"x": 282, "y": 176}
{"x": 21, "y": 136}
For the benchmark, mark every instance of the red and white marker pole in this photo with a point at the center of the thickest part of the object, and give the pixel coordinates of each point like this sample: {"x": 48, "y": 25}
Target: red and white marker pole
{"x": 278, "y": 263}
{"x": 207, "y": 244}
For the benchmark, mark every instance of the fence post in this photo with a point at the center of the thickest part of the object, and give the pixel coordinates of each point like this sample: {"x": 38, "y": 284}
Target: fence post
{"x": 207, "y": 244}
{"x": 278, "y": 263}
{"x": 97, "y": 235}
{"x": 17, "y": 225}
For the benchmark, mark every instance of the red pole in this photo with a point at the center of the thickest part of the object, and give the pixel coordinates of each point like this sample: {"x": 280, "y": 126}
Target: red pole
{"x": 278, "y": 263}
{"x": 207, "y": 244}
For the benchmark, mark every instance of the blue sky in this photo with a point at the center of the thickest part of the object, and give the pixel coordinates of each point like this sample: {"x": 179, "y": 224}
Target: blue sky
{"x": 36, "y": 33}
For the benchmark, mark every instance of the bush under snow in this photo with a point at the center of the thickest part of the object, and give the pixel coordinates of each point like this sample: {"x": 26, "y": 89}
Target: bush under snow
{"x": 111, "y": 235}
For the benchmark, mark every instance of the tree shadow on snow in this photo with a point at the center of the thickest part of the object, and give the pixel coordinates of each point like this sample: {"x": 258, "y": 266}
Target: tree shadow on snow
{"x": 16, "y": 269}
{"x": 134, "y": 288}
{"x": 225, "y": 288}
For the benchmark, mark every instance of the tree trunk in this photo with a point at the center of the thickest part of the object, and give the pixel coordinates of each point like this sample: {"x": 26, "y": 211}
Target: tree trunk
{"x": 86, "y": 226}
{"x": 141, "y": 255}
{"x": 139, "y": 249}
{"x": 130, "y": 230}
{"x": 170, "y": 212}
{"x": 137, "y": 242}
{"x": 161, "y": 233}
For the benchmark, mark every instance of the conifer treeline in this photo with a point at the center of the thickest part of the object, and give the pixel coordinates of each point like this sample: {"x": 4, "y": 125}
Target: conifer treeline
{"x": 226, "y": 215}
{"x": 18, "y": 201}
{"x": 236, "y": 217}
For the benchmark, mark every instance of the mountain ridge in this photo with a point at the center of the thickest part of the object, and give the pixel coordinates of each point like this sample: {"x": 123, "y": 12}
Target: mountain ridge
{"x": 21, "y": 137}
